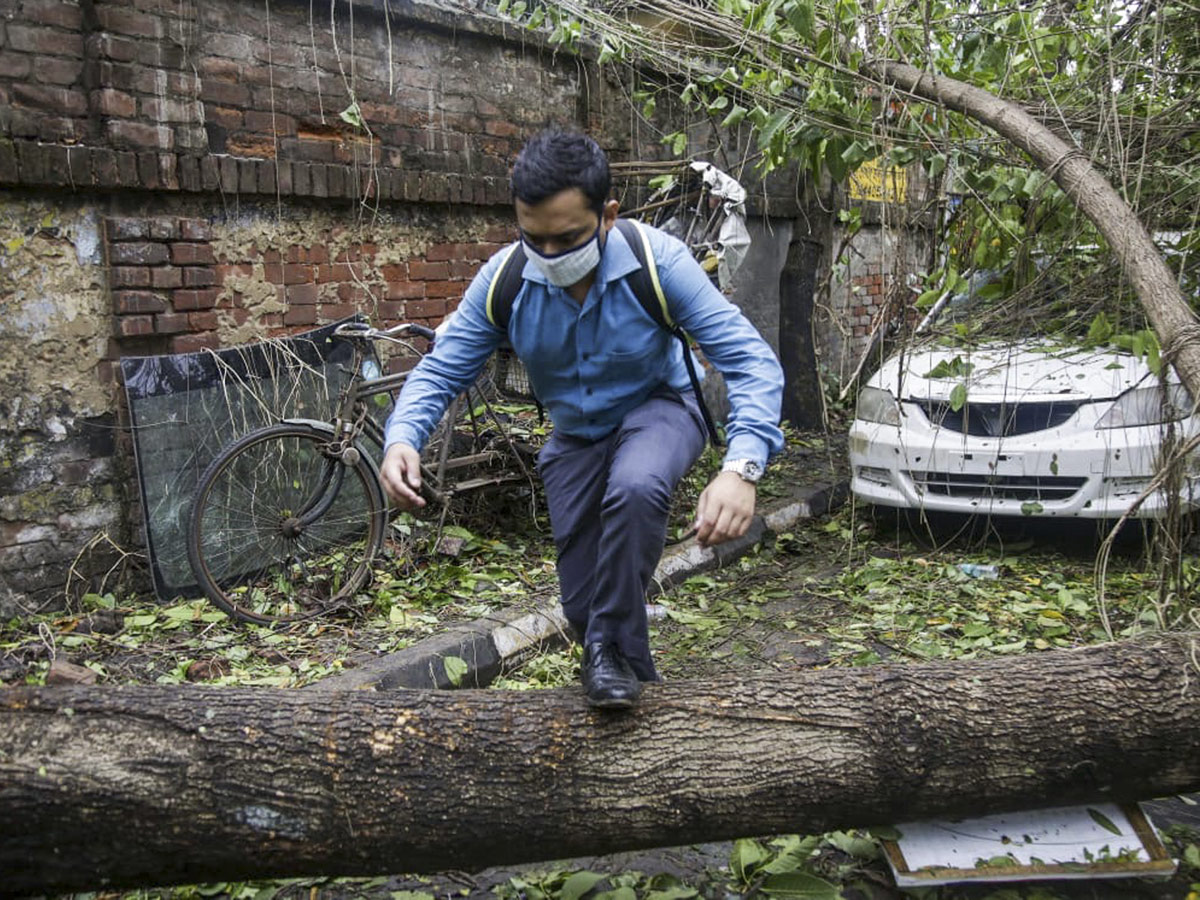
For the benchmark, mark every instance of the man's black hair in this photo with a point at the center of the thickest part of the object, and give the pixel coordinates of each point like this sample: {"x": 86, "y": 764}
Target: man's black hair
{"x": 556, "y": 160}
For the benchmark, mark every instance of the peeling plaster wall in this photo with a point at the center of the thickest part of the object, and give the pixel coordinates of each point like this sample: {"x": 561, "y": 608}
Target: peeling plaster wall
{"x": 59, "y": 482}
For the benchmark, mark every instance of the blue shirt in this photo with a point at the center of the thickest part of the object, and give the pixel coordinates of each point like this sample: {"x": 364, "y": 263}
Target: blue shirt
{"x": 592, "y": 363}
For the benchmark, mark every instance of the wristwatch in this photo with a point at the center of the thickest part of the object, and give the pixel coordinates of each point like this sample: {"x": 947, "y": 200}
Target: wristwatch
{"x": 748, "y": 469}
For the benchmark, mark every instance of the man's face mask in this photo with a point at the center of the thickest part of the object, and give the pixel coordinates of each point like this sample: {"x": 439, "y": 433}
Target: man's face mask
{"x": 570, "y": 266}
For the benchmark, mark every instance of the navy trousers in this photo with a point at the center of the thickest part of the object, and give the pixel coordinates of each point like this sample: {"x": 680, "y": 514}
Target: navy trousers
{"x": 609, "y": 501}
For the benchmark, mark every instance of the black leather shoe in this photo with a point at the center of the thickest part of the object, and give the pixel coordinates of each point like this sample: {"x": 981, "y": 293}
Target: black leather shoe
{"x": 608, "y": 680}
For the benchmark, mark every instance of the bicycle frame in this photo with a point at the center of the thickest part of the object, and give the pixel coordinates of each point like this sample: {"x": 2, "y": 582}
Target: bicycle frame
{"x": 352, "y": 419}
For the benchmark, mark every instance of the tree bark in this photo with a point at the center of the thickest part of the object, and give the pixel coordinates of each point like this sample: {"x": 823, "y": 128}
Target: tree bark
{"x": 1152, "y": 280}
{"x": 103, "y": 787}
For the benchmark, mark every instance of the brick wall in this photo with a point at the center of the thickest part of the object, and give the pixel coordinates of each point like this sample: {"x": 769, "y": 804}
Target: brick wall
{"x": 226, "y": 172}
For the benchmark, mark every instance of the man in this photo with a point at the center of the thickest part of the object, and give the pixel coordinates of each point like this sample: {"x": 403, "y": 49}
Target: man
{"x": 627, "y": 424}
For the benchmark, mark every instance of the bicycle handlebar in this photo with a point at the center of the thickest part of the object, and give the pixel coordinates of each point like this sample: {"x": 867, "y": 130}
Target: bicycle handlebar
{"x": 364, "y": 331}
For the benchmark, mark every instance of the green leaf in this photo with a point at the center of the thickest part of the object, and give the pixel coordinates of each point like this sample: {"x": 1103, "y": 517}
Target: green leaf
{"x": 799, "y": 14}
{"x": 799, "y": 885}
{"x": 1032, "y": 508}
{"x": 579, "y": 884}
{"x": 746, "y": 857}
{"x": 958, "y": 397}
{"x": 735, "y": 116}
{"x": 1103, "y": 821}
{"x": 623, "y": 893}
{"x": 794, "y": 854}
{"x": 352, "y": 115}
{"x": 1100, "y": 331}
{"x": 456, "y": 668}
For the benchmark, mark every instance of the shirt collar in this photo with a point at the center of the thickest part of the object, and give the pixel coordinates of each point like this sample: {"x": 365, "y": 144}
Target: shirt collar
{"x": 616, "y": 261}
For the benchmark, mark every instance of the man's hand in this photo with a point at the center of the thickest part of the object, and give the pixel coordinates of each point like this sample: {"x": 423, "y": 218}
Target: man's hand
{"x": 725, "y": 509}
{"x": 401, "y": 476}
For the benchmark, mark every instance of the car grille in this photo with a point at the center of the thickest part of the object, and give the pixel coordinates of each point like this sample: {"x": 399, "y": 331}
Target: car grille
{"x": 998, "y": 419}
{"x": 998, "y": 487}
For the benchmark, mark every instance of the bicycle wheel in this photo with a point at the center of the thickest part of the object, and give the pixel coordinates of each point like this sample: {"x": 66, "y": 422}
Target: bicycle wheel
{"x": 280, "y": 531}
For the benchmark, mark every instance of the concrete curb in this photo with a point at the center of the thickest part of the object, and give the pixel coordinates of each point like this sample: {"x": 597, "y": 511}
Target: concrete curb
{"x": 503, "y": 642}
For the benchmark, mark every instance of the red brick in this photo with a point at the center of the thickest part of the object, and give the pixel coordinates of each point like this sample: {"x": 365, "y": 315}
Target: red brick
{"x": 302, "y": 294}
{"x": 327, "y": 272}
{"x": 203, "y": 321}
{"x": 425, "y": 309}
{"x": 444, "y": 288}
{"x": 136, "y": 253}
{"x": 297, "y": 274}
{"x": 224, "y": 93}
{"x": 418, "y": 270}
{"x": 438, "y": 252}
{"x": 166, "y": 277}
{"x": 199, "y": 276}
{"x": 348, "y": 292}
{"x": 405, "y": 290}
{"x": 270, "y": 123}
{"x": 389, "y": 311}
{"x": 131, "y": 22}
{"x": 52, "y": 70}
{"x": 125, "y": 134}
{"x": 300, "y": 315}
{"x": 49, "y": 41}
{"x": 500, "y": 234}
{"x": 223, "y": 116}
{"x": 297, "y": 254}
{"x": 59, "y": 100}
{"x": 185, "y": 254}
{"x": 188, "y": 299}
{"x": 195, "y": 229}
{"x": 126, "y": 302}
{"x": 129, "y": 276}
{"x": 318, "y": 254}
{"x": 133, "y": 326}
{"x": 334, "y": 311}
{"x": 464, "y": 268}
{"x": 395, "y": 272}
{"x": 194, "y": 343}
{"x": 171, "y": 323}
{"x": 110, "y": 102}
{"x": 126, "y": 229}
{"x": 15, "y": 65}
{"x": 53, "y": 12}
{"x": 273, "y": 272}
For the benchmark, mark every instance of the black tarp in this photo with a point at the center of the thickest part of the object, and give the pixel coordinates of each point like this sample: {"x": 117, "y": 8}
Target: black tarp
{"x": 184, "y": 408}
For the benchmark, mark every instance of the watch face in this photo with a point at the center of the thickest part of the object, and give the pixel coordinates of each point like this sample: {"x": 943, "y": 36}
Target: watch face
{"x": 752, "y": 471}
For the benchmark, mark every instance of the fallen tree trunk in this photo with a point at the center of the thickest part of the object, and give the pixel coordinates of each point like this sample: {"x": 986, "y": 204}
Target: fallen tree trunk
{"x": 157, "y": 785}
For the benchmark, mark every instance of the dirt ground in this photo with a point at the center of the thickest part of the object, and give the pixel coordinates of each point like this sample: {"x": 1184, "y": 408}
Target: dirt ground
{"x": 775, "y": 609}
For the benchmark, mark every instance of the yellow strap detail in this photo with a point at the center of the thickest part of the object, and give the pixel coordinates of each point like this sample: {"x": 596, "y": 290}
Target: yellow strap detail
{"x": 495, "y": 280}
{"x": 652, "y": 268}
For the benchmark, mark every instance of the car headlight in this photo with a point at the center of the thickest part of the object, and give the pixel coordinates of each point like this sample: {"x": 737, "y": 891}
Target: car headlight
{"x": 1147, "y": 406}
{"x": 877, "y": 405}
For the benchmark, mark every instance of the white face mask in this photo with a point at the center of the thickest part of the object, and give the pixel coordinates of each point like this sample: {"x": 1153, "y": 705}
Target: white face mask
{"x": 570, "y": 266}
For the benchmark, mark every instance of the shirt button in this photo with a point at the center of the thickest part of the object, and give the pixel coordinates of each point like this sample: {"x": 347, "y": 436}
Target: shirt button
{"x": 591, "y": 421}
{"x": 589, "y": 392}
{"x": 586, "y": 357}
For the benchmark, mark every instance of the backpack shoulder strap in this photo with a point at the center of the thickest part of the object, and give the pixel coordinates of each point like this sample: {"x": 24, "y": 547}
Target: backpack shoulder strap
{"x": 646, "y": 286}
{"x": 649, "y": 292}
{"x": 505, "y": 286}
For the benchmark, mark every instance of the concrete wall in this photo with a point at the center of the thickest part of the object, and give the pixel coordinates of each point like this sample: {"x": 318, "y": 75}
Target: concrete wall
{"x": 180, "y": 177}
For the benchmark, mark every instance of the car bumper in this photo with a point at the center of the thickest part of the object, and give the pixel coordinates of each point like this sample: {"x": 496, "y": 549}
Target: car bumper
{"x": 1093, "y": 474}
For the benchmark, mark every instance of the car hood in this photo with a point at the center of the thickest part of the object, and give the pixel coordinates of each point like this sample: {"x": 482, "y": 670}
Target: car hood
{"x": 1011, "y": 372}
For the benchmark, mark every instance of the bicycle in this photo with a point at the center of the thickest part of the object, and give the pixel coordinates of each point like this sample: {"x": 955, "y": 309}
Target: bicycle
{"x": 286, "y": 521}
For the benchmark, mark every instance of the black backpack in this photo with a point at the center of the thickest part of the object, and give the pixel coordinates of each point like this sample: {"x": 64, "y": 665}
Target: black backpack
{"x": 507, "y": 282}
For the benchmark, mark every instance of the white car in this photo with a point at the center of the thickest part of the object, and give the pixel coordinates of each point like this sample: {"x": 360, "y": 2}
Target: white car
{"x": 1015, "y": 430}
